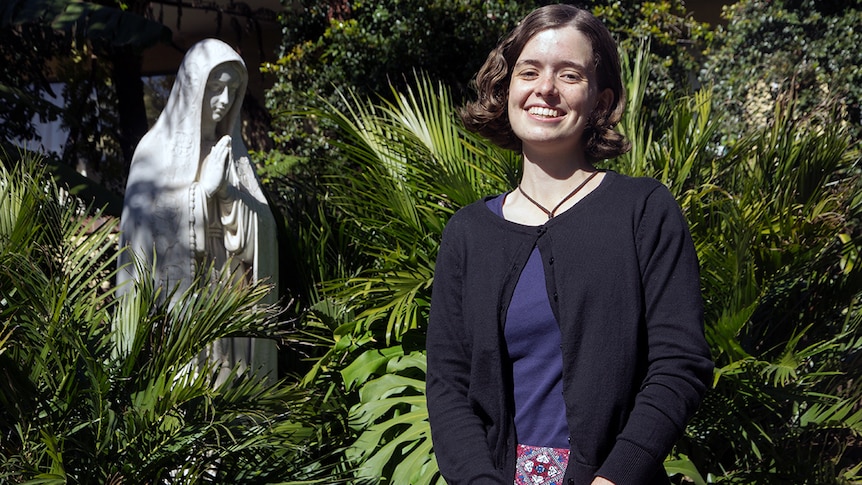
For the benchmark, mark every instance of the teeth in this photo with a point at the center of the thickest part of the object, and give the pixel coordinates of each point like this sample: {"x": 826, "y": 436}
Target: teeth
{"x": 546, "y": 112}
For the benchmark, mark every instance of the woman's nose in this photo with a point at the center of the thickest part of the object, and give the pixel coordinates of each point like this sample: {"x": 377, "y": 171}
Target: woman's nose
{"x": 547, "y": 86}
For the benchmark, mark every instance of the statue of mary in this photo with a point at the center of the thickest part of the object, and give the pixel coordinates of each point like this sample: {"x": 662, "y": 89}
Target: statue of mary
{"x": 193, "y": 198}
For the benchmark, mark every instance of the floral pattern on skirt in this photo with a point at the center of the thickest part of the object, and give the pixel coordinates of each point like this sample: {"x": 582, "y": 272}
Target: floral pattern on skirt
{"x": 539, "y": 465}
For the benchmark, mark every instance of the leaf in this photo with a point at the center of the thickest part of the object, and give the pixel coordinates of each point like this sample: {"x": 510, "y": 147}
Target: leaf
{"x": 368, "y": 363}
{"x": 684, "y": 466}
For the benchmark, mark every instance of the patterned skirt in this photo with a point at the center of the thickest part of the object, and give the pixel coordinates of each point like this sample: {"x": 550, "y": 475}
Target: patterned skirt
{"x": 539, "y": 465}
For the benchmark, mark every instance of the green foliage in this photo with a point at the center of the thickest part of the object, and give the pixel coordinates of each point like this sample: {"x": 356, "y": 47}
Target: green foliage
{"x": 76, "y": 407}
{"x": 365, "y": 46}
{"x": 774, "y": 227}
{"x": 676, "y": 42}
{"x": 394, "y": 440}
{"x": 370, "y": 44}
{"x": 775, "y": 219}
{"x": 770, "y": 48}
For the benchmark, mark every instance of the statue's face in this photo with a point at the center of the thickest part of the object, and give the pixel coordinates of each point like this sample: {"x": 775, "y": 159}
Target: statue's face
{"x": 221, "y": 91}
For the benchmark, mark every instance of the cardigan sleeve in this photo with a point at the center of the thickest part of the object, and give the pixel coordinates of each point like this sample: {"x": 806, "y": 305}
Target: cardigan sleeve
{"x": 458, "y": 433}
{"x": 679, "y": 366}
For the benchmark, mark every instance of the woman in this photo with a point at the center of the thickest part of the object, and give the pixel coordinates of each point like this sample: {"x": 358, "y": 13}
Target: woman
{"x": 565, "y": 342}
{"x": 193, "y": 199}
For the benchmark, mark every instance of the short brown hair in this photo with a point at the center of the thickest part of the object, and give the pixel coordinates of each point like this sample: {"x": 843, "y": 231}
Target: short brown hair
{"x": 488, "y": 115}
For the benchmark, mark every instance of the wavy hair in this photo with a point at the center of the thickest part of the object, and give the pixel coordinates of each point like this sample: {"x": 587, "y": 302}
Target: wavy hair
{"x": 488, "y": 115}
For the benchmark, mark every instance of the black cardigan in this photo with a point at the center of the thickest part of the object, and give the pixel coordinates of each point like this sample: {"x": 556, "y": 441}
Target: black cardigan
{"x": 622, "y": 277}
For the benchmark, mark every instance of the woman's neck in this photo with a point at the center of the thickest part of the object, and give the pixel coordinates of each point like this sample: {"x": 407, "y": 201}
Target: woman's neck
{"x": 553, "y": 175}
{"x": 549, "y": 186}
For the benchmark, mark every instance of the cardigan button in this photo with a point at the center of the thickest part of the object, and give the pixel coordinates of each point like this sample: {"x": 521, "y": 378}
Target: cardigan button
{"x": 551, "y": 261}
{"x": 556, "y": 297}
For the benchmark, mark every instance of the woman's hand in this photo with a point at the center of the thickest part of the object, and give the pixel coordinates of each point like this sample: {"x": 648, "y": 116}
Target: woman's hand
{"x": 601, "y": 481}
{"x": 214, "y": 174}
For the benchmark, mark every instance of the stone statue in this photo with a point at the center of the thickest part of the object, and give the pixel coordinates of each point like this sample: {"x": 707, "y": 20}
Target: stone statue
{"x": 193, "y": 198}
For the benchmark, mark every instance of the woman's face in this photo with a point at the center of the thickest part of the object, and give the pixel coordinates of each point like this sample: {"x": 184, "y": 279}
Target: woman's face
{"x": 553, "y": 90}
{"x": 220, "y": 91}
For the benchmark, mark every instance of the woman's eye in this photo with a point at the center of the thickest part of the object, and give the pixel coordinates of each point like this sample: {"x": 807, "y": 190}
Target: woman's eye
{"x": 572, "y": 76}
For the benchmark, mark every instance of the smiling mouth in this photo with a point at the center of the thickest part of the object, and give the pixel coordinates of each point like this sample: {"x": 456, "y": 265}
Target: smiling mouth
{"x": 544, "y": 112}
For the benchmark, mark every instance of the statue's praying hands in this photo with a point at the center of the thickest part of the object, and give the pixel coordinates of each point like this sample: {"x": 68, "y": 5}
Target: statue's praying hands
{"x": 213, "y": 178}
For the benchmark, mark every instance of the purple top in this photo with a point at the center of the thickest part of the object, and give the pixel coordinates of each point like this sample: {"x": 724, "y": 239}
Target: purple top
{"x": 533, "y": 342}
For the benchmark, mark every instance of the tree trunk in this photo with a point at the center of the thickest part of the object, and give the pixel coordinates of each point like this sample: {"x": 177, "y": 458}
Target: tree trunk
{"x": 126, "y": 75}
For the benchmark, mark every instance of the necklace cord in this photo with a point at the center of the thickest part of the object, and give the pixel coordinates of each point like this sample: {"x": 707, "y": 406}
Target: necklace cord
{"x": 552, "y": 212}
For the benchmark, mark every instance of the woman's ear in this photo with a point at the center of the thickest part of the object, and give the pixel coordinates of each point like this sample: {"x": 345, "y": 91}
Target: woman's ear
{"x": 606, "y": 100}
